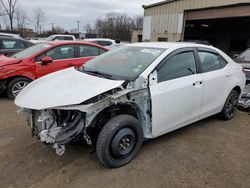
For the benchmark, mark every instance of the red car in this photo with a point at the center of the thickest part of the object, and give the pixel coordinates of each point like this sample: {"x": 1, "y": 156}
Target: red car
{"x": 44, "y": 58}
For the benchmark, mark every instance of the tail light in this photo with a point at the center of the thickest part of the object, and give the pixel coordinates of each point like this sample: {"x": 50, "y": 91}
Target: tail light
{"x": 243, "y": 70}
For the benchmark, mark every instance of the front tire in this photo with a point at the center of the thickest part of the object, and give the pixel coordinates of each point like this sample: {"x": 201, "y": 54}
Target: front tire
{"x": 230, "y": 107}
{"x": 16, "y": 85}
{"x": 119, "y": 141}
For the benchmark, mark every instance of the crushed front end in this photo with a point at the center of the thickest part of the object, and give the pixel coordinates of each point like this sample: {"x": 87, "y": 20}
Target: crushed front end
{"x": 57, "y": 127}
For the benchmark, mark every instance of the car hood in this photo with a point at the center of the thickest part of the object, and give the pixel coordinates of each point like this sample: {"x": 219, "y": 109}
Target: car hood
{"x": 63, "y": 88}
{"x": 4, "y": 60}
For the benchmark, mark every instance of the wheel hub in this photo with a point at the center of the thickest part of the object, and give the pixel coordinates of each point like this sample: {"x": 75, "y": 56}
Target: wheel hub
{"x": 17, "y": 87}
{"x": 123, "y": 143}
{"x": 232, "y": 105}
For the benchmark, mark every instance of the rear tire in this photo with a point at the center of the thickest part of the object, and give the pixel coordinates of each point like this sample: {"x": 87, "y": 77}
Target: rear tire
{"x": 230, "y": 107}
{"x": 119, "y": 141}
{"x": 16, "y": 85}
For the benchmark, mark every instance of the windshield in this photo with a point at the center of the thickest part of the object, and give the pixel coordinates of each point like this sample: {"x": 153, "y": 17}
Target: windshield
{"x": 125, "y": 63}
{"x": 31, "y": 51}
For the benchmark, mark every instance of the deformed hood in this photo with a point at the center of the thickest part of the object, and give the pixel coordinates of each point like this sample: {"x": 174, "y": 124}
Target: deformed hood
{"x": 63, "y": 88}
{"x": 4, "y": 60}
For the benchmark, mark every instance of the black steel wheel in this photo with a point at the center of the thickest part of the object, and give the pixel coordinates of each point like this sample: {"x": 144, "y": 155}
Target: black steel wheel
{"x": 123, "y": 143}
{"x": 230, "y": 107}
{"x": 119, "y": 141}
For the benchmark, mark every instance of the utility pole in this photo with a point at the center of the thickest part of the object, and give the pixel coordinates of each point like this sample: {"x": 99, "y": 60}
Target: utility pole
{"x": 52, "y": 28}
{"x": 78, "y": 26}
{"x": 40, "y": 27}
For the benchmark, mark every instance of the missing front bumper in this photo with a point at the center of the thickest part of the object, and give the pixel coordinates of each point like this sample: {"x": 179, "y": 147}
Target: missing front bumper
{"x": 57, "y": 127}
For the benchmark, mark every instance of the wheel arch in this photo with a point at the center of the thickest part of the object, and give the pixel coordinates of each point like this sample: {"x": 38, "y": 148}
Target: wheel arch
{"x": 237, "y": 88}
{"x": 14, "y": 77}
{"x": 117, "y": 109}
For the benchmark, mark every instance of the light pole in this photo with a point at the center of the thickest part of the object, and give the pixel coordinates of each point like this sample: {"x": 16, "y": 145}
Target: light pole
{"x": 78, "y": 26}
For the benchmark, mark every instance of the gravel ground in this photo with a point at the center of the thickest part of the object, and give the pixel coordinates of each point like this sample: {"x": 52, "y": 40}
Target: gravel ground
{"x": 210, "y": 153}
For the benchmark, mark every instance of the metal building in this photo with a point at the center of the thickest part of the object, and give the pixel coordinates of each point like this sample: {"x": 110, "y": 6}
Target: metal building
{"x": 223, "y": 23}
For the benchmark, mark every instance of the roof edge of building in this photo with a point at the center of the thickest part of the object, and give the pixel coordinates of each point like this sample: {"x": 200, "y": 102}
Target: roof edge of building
{"x": 158, "y": 4}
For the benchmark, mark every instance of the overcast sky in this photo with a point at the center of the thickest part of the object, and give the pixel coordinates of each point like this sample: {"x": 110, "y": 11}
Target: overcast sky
{"x": 65, "y": 13}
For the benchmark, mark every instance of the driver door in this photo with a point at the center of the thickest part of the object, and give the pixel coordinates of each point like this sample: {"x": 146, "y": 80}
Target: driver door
{"x": 176, "y": 96}
{"x": 63, "y": 57}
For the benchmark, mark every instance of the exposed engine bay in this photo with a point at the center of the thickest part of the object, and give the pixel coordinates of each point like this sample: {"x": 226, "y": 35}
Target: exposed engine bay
{"x": 60, "y": 126}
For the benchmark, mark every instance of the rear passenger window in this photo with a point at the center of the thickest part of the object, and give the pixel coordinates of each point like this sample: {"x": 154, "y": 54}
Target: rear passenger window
{"x": 102, "y": 51}
{"x": 87, "y": 51}
{"x": 211, "y": 61}
{"x": 178, "y": 66}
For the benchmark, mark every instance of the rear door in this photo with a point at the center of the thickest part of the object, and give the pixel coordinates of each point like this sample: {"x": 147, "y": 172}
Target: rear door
{"x": 86, "y": 53}
{"x": 177, "y": 96}
{"x": 217, "y": 78}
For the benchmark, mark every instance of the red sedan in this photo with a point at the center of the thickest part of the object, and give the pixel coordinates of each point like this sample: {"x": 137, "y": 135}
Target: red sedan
{"x": 44, "y": 58}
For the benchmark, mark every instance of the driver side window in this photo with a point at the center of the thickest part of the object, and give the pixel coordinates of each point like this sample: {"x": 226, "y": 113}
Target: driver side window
{"x": 61, "y": 52}
{"x": 180, "y": 65}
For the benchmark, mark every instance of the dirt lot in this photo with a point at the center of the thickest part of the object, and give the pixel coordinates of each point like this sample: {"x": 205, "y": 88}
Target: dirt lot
{"x": 210, "y": 153}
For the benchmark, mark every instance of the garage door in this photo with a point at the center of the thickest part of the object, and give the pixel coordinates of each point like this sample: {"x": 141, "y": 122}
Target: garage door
{"x": 226, "y": 12}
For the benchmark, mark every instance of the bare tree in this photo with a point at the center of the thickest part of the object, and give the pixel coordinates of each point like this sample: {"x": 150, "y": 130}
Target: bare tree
{"x": 21, "y": 18}
{"x": 117, "y": 26}
{"x": 9, "y": 7}
{"x": 137, "y": 22}
{"x": 2, "y": 12}
{"x": 39, "y": 18}
{"x": 89, "y": 29}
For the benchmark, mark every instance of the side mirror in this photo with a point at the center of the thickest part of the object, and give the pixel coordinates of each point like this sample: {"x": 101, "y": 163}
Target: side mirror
{"x": 153, "y": 79}
{"x": 235, "y": 56}
{"x": 46, "y": 60}
{"x": 117, "y": 41}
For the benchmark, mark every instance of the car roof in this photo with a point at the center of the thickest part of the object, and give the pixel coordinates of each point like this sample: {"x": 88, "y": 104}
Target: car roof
{"x": 94, "y": 39}
{"x": 73, "y": 42}
{"x": 13, "y": 38}
{"x": 167, "y": 45}
{"x": 10, "y": 35}
{"x": 55, "y": 35}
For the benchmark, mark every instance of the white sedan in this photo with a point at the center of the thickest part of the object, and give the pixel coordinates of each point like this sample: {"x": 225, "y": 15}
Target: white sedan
{"x": 134, "y": 93}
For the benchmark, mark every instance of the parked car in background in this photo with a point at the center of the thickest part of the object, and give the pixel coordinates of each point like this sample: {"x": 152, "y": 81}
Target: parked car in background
{"x": 244, "y": 60}
{"x": 18, "y": 70}
{"x": 137, "y": 92}
{"x": 112, "y": 44}
{"x": 57, "y": 37}
{"x": 10, "y": 35}
{"x": 11, "y": 45}
{"x": 61, "y": 37}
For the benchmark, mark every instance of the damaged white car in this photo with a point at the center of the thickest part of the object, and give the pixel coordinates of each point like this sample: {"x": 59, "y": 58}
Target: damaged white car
{"x": 131, "y": 94}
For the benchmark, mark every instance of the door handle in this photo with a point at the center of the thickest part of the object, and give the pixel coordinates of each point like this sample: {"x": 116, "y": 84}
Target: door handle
{"x": 229, "y": 74}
